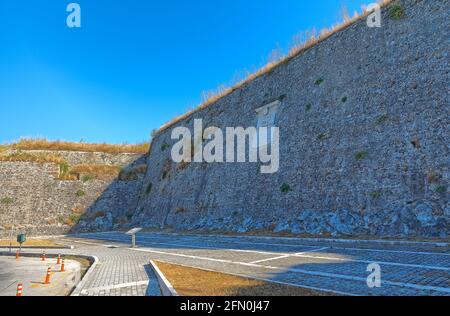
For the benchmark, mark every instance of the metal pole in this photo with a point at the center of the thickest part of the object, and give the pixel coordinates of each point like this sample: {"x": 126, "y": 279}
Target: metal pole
{"x": 11, "y": 233}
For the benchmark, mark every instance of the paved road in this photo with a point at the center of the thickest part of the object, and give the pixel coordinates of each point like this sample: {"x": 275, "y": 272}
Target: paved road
{"x": 340, "y": 267}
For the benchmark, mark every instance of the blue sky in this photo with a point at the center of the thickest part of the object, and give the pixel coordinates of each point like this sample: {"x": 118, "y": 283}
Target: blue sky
{"x": 135, "y": 64}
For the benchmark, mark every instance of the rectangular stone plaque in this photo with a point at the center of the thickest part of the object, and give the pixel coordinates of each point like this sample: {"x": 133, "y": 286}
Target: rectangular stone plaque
{"x": 266, "y": 117}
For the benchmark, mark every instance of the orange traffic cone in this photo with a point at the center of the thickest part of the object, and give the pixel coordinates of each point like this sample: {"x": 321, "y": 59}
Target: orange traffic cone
{"x": 43, "y": 256}
{"x": 17, "y": 254}
{"x": 58, "y": 261}
{"x": 47, "y": 277}
{"x": 62, "y": 266}
{"x": 19, "y": 289}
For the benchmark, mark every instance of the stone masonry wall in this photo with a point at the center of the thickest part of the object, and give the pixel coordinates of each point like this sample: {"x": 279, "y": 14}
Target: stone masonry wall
{"x": 34, "y": 201}
{"x": 364, "y": 152}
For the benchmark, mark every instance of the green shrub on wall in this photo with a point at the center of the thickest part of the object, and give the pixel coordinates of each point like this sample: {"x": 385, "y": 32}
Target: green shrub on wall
{"x": 149, "y": 188}
{"x": 285, "y": 188}
{"x": 361, "y": 155}
{"x": 319, "y": 81}
{"x": 441, "y": 189}
{"x": 396, "y": 12}
{"x": 88, "y": 177}
{"x": 6, "y": 200}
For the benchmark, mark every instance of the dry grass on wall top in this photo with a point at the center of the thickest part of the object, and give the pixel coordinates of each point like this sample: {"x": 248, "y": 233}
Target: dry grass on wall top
{"x": 26, "y": 157}
{"x": 300, "y": 44}
{"x": 44, "y": 144}
{"x": 84, "y": 172}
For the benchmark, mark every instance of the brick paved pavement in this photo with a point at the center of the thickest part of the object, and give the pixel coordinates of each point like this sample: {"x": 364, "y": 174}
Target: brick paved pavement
{"x": 341, "y": 267}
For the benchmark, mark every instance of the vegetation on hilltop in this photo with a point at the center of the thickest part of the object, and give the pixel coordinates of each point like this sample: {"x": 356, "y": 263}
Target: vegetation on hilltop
{"x": 26, "y": 157}
{"x": 44, "y": 144}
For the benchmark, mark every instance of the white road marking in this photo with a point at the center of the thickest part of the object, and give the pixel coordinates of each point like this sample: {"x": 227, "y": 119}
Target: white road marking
{"x": 271, "y": 259}
{"x": 301, "y": 255}
{"x": 409, "y": 265}
{"x": 289, "y": 255}
{"x": 315, "y": 273}
{"x": 228, "y": 240}
{"x": 112, "y": 287}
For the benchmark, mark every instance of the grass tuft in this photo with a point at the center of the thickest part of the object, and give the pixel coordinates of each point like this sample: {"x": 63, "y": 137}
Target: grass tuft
{"x": 396, "y": 12}
{"x": 322, "y": 136}
{"x": 164, "y": 147}
{"x": 87, "y": 178}
{"x": 6, "y": 200}
{"x": 441, "y": 189}
{"x": 360, "y": 155}
{"x": 148, "y": 189}
{"x": 72, "y": 220}
{"x": 285, "y": 188}
{"x": 382, "y": 119}
{"x": 375, "y": 194}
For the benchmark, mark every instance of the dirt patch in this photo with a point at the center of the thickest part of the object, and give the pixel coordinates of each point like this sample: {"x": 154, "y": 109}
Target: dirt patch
{"x": 197, "y": 282}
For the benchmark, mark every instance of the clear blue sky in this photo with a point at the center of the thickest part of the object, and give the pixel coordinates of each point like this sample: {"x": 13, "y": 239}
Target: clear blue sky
{"x": 134, "y": 64}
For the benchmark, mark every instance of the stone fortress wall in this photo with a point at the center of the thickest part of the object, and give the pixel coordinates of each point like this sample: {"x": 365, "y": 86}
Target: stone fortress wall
{"x": 364, "y": 150}
{"x": 364, "y": 144}
{"x": 35, "y": 201}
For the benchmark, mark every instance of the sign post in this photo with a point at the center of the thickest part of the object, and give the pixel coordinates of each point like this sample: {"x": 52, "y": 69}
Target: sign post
{"x": 133, "y": 233}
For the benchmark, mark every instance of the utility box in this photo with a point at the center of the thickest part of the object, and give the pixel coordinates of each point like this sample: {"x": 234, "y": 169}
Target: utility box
{"x": 21, "y": 238}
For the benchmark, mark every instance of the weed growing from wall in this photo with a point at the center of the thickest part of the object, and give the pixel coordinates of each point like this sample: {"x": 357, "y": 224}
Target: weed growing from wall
{"x": 396, "y": 12}
{"x": 285, "y": 188}
{"x": 361, "y": 155}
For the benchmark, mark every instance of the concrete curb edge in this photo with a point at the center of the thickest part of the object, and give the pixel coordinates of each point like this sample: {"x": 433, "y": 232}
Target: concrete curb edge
{"x": 165, "y": 286}
{"x": 78, "y": 288}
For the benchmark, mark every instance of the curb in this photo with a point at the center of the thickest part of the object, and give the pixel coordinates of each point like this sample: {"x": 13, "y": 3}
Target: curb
{"x": 78, "y": 288}
{"x": 165, "y": 286}
{"x": 38, "y": 247}
{"x": 341, "y": 240}
{"x": 436, "y": 243}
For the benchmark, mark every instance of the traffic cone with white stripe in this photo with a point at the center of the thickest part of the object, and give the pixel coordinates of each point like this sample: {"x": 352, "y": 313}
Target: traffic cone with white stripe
{"x": 47, "y": 277}
{"x": 58, "y": 261}
{"x": 62, "y": 266}
{"x": 17, "y": 254}
{"x": 43, "y": 256}
{"x": 19, "y": 289}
